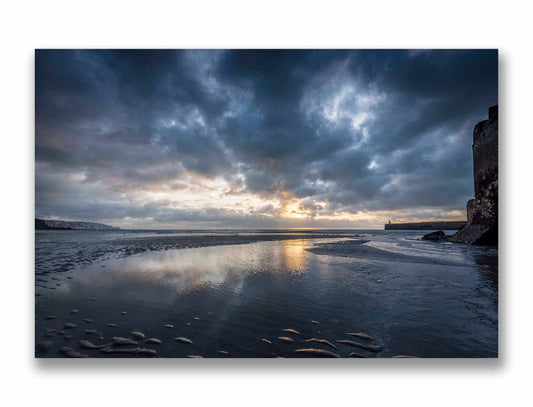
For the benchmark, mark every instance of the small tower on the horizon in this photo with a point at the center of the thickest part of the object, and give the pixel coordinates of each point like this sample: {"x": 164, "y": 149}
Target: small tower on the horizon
{"x": 389, "y": 221}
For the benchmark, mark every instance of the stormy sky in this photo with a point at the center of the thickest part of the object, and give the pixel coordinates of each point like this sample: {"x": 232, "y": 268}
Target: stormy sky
{"x": 258, "y": 138}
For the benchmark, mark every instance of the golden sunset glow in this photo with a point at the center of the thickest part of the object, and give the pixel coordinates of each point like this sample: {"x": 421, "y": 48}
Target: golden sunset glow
{"x": 197, "y": 144}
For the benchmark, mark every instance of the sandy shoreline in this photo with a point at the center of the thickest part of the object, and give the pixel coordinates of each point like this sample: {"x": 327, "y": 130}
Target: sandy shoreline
{"x": 121, "y": 295}
{"x": 356, "y": 248}
{"x": 181, "y": 242}
{"x": 75, "y": 251}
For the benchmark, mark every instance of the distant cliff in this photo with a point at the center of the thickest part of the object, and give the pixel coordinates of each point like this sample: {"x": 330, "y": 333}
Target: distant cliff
{"x": 44, "y": 224}
{"x": 482, "y": 211}
{"x": 439, "y": 225}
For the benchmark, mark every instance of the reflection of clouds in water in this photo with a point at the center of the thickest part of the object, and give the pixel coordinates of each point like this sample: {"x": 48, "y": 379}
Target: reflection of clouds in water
{"x": 180, "y": 271}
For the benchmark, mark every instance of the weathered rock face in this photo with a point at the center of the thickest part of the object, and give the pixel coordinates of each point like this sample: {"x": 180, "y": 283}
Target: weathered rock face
{"x": 485, "y": 148}
{"x": 45, "y": 224}
{"x": 482, "y": 212}
{"x": 470, "y": 210}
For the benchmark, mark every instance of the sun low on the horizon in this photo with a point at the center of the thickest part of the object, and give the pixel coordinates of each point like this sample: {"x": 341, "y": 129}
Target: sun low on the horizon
{"x": 257, "y": 139}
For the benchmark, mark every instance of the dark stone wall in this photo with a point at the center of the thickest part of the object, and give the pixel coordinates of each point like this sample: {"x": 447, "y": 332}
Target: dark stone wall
{"x": 437, "y": 225}
{"x": 482, "y": 211}
{"x": 485, "y": 150}
{"x": 470, "y": 210}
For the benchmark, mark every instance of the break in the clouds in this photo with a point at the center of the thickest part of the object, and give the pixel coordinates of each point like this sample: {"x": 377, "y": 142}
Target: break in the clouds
{"x": 258, "y": 138}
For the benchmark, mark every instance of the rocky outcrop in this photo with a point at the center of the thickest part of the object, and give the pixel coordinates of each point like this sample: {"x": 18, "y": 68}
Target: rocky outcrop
{"x": 482, "y": 211}
{"x": 435, "y": 236}
{"x": 43, "y": 224}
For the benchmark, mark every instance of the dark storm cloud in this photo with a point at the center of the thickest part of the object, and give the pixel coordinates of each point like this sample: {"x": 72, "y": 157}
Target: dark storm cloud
{"x": 369, "y": 130}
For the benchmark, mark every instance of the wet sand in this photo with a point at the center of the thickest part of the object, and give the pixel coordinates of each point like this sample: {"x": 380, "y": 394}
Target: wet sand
{"x": 76, "y": 250}
{"x": 268, "y": 296}
{"x": 357, "y": 248}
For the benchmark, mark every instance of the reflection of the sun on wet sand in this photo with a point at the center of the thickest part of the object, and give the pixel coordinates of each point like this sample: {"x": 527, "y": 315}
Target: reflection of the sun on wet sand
{"x": 295, "y": 256}
{"x": 209, "y": 267}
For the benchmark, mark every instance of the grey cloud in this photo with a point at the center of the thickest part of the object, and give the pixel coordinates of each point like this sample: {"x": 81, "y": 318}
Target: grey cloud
{"x": 361, "y": 130}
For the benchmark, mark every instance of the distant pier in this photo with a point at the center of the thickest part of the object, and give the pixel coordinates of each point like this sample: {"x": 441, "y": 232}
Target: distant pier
{"x": 436, "y": 225}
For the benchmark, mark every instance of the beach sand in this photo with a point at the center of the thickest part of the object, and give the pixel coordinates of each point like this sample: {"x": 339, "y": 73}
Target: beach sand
{"x": 266, "y": 295}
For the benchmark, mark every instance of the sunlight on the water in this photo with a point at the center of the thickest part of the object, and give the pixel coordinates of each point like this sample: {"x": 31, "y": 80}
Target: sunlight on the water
{"x": 295, "y": 258}
{"x": 180, "y": 271}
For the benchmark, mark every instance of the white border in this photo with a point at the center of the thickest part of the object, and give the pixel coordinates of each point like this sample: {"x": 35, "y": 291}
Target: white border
{"x": 244, "y": 24}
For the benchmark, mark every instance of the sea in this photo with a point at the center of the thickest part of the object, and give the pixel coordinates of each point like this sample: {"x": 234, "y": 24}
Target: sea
{"x": 236, "y": 299}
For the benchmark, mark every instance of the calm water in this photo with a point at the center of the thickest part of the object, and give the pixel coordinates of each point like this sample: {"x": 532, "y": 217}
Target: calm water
{"x": 443, "y": 303}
